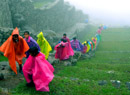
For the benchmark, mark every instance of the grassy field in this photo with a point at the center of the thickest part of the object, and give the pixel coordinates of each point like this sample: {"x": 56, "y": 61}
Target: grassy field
{"x": 112, "y": 55}
{"x": 40, "y": 4}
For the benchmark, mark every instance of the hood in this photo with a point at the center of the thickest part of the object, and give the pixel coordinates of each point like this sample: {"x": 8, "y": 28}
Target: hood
{"x": 40, "y": 36}
{"x": 15, "y": 31}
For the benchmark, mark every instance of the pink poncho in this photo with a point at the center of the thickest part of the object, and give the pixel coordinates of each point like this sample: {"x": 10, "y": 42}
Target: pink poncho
{"x": 99, "y": 31}
{"x": 70, "y": 50}
{"x": 40, "y": 70}
{"x": 63, "y": 51}
{"x": 84, "y": 49}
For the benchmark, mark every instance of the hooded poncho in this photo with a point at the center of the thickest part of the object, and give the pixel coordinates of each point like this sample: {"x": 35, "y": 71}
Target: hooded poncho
{"x": 44, "y": 45}
{"x": 14, "y": 51}
{"x": 40, "y": 70}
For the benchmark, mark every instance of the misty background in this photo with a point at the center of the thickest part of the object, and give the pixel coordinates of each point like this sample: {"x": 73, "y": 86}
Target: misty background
{"x": 107, "y": 12}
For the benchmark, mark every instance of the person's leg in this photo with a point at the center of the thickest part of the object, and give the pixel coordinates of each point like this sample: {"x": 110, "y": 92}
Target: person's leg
{"x": 20, "y": 65}
{"x": 20, "y": 68}
{"x": 30, "y": 84}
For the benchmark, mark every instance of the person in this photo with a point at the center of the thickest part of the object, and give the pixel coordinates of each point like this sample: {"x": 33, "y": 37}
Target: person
{"x": 98, "y": 38}
{"x": 38, "y": 71}
{"x": 65, "y": 37}
{"x": 84, "y": 48}
{"x": 90, "y": 42}
{"x": 44, "y": 44}
{"x": 30, "y": 41}
{"x": 99, "y": 30}
{"x": 70, "y": 50}
{"x": 94, "y": 40}
{"x": 14, "y": 49}
{"x": 88, "y": 46}
{"x": 104, "y": 27}
{"x": 93, "y": 44}
{"x": 62, "y": 50}
{"x": 76, "y": 45}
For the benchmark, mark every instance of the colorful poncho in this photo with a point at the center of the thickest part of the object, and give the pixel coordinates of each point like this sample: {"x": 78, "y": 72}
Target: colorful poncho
{"x": 70, "y": 50}
{"x": 98, "y": 38}
{"x": 62, "y": 51}
{"x": 14, "y": 51}
{"x": 31, "y": 43}
{"x": 44, "y": 45}
{"x": 99, "y": 31}
{"x": 91, "y": 45}
{"x": 94, "y": 41}
{"x": 40, "y": 70}
{"x": 84, "y": 49}
{"x": 75, "y": 44}
{"x": 88, "y": 46}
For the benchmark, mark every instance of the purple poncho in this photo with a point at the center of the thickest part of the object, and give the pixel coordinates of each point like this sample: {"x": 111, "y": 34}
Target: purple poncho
{"x": 76, "y": 45}
{"x": 31, "y": 43}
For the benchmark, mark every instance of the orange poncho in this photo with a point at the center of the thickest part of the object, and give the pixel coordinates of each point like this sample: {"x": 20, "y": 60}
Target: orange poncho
{"x": 14, "y": 51}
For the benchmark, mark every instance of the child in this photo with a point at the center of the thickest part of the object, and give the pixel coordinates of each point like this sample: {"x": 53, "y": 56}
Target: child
{"x": 30, "y": 41}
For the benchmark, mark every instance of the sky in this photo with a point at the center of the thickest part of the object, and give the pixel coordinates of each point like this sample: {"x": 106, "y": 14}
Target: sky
{"x": 108, "y": 12}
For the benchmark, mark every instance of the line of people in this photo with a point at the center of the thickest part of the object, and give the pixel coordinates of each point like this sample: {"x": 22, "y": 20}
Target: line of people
{"x": 37, "y": 70}
{"x": 65, "y": 48}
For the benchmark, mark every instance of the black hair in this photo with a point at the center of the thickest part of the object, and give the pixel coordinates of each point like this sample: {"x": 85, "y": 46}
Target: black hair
{"x": 15, "y": 35}
{"x": 34, "y": 51}
{"x": 26, "y": 32}
{"x": 63, "y": 40}
{"x": 74, "y": 38}
{"x": 64, "y": 34}
{"x": 84, "y": 44}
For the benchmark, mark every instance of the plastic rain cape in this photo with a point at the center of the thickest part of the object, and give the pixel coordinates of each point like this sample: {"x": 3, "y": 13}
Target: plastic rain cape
{"x": 44, "y": 45}
{"x": 14, "y": 51}
{"x": 38, "y": 70}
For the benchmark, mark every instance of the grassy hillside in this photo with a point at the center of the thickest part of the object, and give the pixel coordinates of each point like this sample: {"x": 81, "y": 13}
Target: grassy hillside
{"x": 111, "y": 62}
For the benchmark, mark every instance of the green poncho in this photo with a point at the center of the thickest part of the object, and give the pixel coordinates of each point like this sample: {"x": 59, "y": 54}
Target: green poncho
{"x": 44, "y": 45}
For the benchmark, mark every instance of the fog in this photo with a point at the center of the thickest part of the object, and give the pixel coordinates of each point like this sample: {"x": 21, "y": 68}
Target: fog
{"x": 108, "y": 12}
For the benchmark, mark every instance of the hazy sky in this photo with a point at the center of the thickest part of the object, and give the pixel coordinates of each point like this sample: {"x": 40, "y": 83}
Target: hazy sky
{"x": 110, "y": 12}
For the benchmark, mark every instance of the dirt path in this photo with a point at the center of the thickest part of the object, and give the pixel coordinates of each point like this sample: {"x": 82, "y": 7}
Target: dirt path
{"x": 11, "y": 80}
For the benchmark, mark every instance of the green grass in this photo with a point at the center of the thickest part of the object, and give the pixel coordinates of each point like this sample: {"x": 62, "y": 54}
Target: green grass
{"x": 2, "y": 58}
{"x": 112, "y": 54}
{"x": 40, "y": 4}
{"x": 65, "y": 86}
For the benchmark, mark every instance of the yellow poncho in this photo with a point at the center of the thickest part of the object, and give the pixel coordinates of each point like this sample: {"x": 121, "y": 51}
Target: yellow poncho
{"x": 44, "y": 45}
{"x": 88, "y": 46}
{"x": 96, "y": 38}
